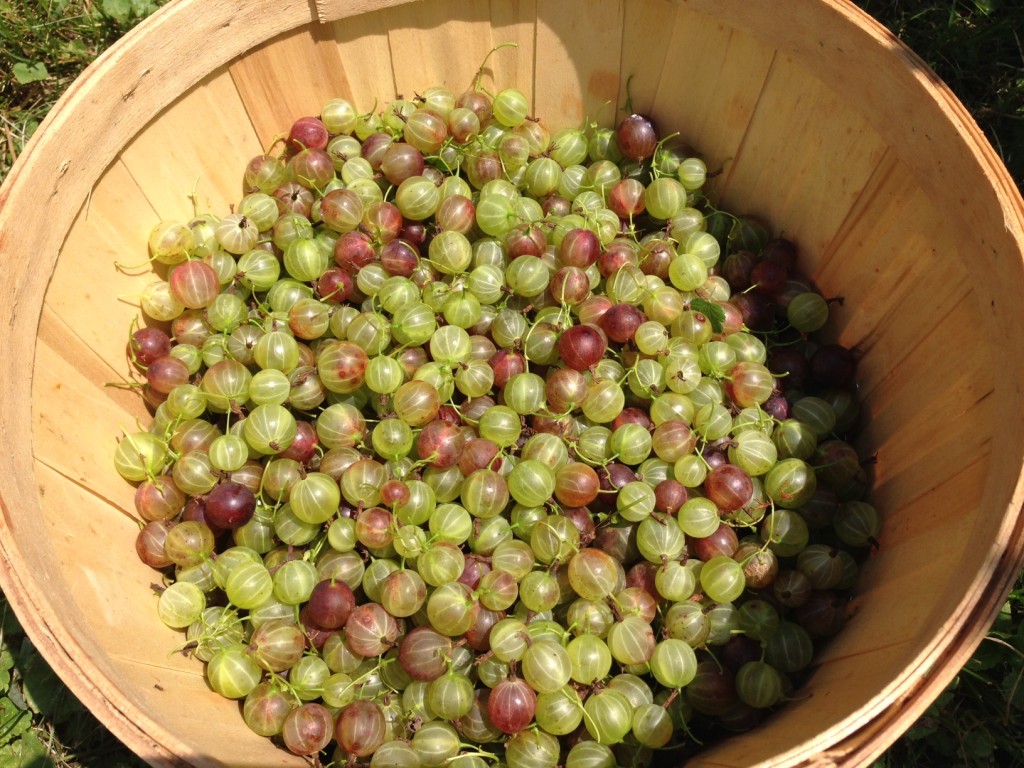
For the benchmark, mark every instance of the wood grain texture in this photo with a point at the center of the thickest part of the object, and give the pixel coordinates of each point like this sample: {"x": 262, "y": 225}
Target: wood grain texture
{"x": 74, "y": 413}
{"x": 175, "y": 149}
{"x": 112, "y": 227}
{"x": 439, "y": 44}
{"x": 838, "y": 152}
{"x": 576, "y": 75}
{"x": 514, "y": 21}
{"x": 708, "y": 98}
{"x": 288, "y": 77}
{"x": 365, "y": 54}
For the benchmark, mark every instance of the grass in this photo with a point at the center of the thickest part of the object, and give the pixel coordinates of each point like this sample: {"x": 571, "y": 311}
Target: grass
{"x": 974, "y": 45}
{"x": 44, "y": 45}
{"x": 977, "y": 48}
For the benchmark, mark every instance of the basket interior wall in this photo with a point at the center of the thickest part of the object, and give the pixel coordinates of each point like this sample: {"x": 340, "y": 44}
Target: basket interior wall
{"x": 791, "y": 149}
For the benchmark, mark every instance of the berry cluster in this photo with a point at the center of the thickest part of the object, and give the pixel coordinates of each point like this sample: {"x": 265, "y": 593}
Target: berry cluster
{"x": 474, "y": 442}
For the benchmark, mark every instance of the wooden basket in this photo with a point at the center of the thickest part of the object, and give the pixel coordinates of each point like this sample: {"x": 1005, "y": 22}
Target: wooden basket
{"x": 823, "y": 124}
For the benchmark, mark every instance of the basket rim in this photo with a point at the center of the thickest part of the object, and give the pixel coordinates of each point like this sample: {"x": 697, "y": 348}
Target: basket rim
{"x": 44, "y": 166}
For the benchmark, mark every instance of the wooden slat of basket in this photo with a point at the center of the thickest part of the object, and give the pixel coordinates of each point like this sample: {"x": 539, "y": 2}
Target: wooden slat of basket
{"x": 383, "y": 58}
{"x": 707, "y": 88}
{"x": 909, "y": 519}
{"x": 941, "y": 407}
{"x": 886, "y": 350}
{"x": 647, "y": 32}
{"x": 515, "y": 22}
{"x": 928, "y": 374}
{"x": 934, "y": 452}
{"x": 59, "y": 550}
{"x": 577, "y": 61}
{"x": 928, "y": 562}
{"x": 861, "y": 248}
{"x": 919, "y": 561}
{"x": 334, "y": 10}
{"x": 287, "y": 78}
{"x": 90, "y": 518}
{"x": 365, "y": 53}
{"x": 112, "y": 227}
{"x": 894, "y": 632}
{"x": 796, "y": 107}
{"x": 710, "y": 95}
{"x": 459, "y": 38}
{"x": 110, "y": 381}
{"x": 72, "y": 433}
{"x": 188, "y": 707}
{"x": 173, "y": 150}
{"x": 439, "y": 44}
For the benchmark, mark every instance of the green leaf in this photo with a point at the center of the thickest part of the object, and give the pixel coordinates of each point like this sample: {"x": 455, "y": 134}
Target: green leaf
{"x": 978, "y": 743}
{"x": 143, "y": 8}
{"x": 76, "y": 48}
{"x": 943, "y": 743}
{"x": 27, "y": 752}
{"x": 6, "y": 665}
{"x": 30, "y": 73}
{"x": 712, "y": 311}
{"x": 17, "y": 697}
{"x": 1013, "y": 688}
{"x": 34, "y": 754}
{"x": 1018, "y": 638}
{"x": 13, "y": 721}
{"x": 987, "y": 656}
{"x": 44, "y": 691}
{"x": 924, "y": 728}
{"x": 118, "y": 10}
